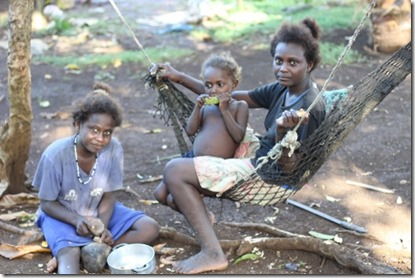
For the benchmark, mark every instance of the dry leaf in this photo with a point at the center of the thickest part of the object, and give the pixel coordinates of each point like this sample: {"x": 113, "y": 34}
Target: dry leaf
{"x": 14, "y": 215}
{"x": 148, "y": 202}
{"x": 332, "y": 199}
{"x": 11, "y": 200}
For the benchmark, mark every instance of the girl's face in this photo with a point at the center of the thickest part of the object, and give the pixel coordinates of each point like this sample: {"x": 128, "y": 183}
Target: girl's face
{"x": 218, "y": 81}
{"x": 95, "y": 133}
{"x": 290, "y": 67}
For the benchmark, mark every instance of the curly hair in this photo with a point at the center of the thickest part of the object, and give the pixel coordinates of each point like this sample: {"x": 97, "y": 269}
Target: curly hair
{"x": 99, "y": 101}
{"x": 223, "y": 61}
{"x": 306, "y": 34}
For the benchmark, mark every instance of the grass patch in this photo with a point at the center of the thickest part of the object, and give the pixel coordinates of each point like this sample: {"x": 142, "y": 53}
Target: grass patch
{"x": 105, "y": 60}
{"x": 273, "y": 14}
{"x": 331, "y": 53}
{"x": 262, "y": 18}
{"x": 4, "y": 20}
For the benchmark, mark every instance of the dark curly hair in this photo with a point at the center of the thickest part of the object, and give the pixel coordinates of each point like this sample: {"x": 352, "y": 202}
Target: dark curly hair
{"x": 223, "y": 61}
{"x": 99, "y": 101}
{"x": 305, "y": 34}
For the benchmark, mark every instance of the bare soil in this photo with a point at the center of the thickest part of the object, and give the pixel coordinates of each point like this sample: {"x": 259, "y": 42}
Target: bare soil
{"x": 378, "y": 152}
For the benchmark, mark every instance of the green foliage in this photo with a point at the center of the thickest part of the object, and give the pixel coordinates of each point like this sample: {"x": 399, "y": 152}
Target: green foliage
{"x": 261, "y": 18}
{"x": 3, "y": 20}
{"x": 113, "y": 58}
{"x": 331, "y": 52}
{"x": 60, "y": 26}
{"x": 274, "y": 13}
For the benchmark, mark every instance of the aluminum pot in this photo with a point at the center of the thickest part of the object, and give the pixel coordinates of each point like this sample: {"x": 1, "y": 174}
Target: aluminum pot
{"x": 134, "y": 258}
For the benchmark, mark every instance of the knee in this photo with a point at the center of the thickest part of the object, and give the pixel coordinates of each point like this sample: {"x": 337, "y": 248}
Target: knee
{"x": 160, "y": 194}
{"x": 71, "y": 252}
{"x": 152, "y": 229}
{"x": 171, "y": 174}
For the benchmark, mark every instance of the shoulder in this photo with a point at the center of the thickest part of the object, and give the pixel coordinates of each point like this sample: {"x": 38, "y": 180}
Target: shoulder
{"x": 240, "y": 104}
{"x": 268, "y": 88}
{"x": 59, "y": 146}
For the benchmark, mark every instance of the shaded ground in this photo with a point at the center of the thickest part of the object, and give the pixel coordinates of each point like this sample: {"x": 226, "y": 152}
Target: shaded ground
{"x": 377, "y": 152}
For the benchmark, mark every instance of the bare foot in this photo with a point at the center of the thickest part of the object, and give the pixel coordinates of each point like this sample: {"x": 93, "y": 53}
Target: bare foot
{"x": 52, "y": 265}
{"x": 201, "y": 262}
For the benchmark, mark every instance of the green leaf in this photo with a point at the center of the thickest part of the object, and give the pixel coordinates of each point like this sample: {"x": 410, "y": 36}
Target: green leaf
{"x": 248, "y": 256}
{"x": 320, "y": 235}
{"x": 44, "y": 103}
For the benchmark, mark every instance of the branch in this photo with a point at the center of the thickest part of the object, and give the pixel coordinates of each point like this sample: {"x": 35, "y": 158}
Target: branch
{"x": 343, "y": 255}
{"x": 262, "y": 228}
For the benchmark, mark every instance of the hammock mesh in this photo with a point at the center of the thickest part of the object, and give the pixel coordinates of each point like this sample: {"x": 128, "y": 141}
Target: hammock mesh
{"x": 346, "y": 109}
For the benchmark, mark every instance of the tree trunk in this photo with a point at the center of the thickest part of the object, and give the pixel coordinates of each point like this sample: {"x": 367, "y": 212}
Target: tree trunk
{"x": 391, "y": 25}
{"x": 15, "y": 135}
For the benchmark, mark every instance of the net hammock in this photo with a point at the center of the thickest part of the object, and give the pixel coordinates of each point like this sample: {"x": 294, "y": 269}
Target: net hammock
{"x": 346, "y": 109}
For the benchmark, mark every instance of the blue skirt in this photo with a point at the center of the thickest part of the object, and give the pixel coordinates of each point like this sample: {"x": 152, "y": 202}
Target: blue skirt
{"x": 59, "y": 234}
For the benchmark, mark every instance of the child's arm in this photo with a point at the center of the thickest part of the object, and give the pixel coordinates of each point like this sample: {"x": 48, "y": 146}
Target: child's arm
{"x": 105, "y": 210}
{"x": 195, "y": 118}
{"x": 56, "y": 210}
{"x": 237, "y": 125}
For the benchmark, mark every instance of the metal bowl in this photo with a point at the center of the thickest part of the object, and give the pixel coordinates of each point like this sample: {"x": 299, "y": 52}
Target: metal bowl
{"x": 134, "y": 258}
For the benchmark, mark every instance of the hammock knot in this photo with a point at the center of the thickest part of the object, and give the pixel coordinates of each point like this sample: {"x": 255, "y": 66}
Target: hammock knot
{"x": 289, "y": 141}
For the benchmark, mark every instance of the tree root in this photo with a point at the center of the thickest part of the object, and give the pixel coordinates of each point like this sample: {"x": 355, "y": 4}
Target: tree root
{"x": 341, "y": 254}
{"x": 28, "y": 236}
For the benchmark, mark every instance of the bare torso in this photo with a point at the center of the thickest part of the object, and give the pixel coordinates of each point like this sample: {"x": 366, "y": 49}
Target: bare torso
{"x": 213, "y": 138}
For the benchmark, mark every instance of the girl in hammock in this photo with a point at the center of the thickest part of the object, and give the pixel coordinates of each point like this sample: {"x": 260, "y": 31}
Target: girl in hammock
{"x": 220, "y": 127}
{"x": 77, "y": 178}
{"x": 295, "y": 53}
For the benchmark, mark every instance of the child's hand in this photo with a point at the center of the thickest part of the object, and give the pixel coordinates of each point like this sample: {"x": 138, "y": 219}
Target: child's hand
{"x": 82, "y": 227}
{"x": 224, "y": 99}
{"x": 106, "y": 237}
{"x": 201, "y": 100}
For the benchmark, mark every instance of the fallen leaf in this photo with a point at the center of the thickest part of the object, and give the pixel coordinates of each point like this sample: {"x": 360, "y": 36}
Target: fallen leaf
{"x": 399, "y": 200}
{"x": 44, "y": 103}
{"x": 14, "y": 215}
{"x": 11, "y": 200}
{"x": 12, "y": 251}
{"x": 338, "y": 239}
{"x": 270, "y": 219}
{"x": 332, "y": 199}
{"x": 248, "y": 256}
{"x": 156, "y": 130}
{"x": 347, "y": 219}
{"x": 167, "y": 260}
{"x": 72, "y": 67}
{"x": 320, "y": 235}
{"x": 148, "y": 202}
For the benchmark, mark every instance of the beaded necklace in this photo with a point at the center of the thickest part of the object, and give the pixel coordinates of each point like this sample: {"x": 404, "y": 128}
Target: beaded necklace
{"x": 78, "y": 171}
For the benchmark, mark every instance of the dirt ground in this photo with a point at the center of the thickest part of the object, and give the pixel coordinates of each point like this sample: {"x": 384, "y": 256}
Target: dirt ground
{"x": 378, "y": 152}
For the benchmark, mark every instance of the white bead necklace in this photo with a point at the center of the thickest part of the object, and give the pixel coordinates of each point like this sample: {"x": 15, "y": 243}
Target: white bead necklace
{"x": 78, "y": 171}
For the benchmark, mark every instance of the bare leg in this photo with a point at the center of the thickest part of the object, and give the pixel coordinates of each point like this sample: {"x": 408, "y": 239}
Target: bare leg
{"x": 144, "y": 230}
{"x": 69, "y": 260}
{"x": 182, "y": 183}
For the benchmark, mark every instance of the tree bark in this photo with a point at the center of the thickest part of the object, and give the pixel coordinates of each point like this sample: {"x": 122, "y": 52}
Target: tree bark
{"x": 15, "y": 135}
